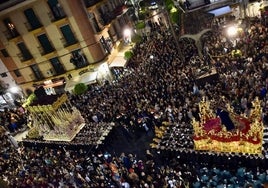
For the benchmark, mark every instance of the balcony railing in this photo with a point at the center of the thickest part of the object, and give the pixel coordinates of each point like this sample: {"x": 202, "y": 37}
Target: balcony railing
{"x": 106, "y": 18}
{"x": 11, "y": 34}
{"x": 36, "y": 77}
{"x": 94, "y": 22}
{"x": 68, "y": 43}
{"x": 24, "y": 57}
{"x": 119, "y": 10}
{"x": 79, "y": 60}
{"x": 30, "y": 28}
{"x": 45, "y": 51}
{"x": 59, "y": 72}
{"x": 32, "y": 77}
{"x": 90, "y": 3}
{"x": 56, "y": 14}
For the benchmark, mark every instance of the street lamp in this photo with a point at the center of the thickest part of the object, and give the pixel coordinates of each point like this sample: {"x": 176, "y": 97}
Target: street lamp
{"x": 127, "y": 35}
{"x": 14, "y": 89}
{"x": 232, "y": 31}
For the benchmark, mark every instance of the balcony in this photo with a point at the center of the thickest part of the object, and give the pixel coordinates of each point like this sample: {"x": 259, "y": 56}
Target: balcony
{"x": 94, "y": 22}
{"x": 36, "y": 77}
{"x": 44, "y": 51}
{"x": 67, "y": 43}
{"x": 31, "y": 28}
{"x": 106, "y": 18}
{"x": 78, "y": 59}
{"x": 57, "y": 13}
{"x": 32, "y": 77}
{"x": 59, "y": 72}
{"x": 119, "y": 10}
{"x": 24, "y": 57}
{"x": 90, "y": 3}
{"x": 96, "y": 26}
{"x": 11, "y": 34}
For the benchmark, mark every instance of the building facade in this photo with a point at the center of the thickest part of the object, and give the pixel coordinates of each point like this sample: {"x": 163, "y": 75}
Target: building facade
{"x": 47, "y": 42}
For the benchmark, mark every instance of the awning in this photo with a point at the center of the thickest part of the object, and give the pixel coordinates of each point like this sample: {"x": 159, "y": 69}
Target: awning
{"x": 118, "y": 61}
{"x": 221, "y": 11}
{"x": 89, "y": 78}
{"x": 86, "y": 78}
{"x": 70, "y": 85}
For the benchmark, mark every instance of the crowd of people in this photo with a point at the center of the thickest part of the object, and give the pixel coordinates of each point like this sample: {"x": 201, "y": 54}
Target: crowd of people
{"x": 159, "y": 93}
{"x": 13, "y": 120}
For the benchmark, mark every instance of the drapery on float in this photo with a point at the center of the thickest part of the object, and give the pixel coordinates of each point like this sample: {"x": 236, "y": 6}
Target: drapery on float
{"x": 226, "y": 131}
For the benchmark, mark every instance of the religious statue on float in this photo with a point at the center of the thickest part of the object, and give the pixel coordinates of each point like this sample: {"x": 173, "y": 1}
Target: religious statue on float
{"x": 226, "y": 131}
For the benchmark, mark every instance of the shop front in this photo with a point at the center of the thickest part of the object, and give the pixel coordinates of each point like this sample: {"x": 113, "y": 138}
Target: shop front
{"x": 87, "y": 78}
{"x": 93, "y": 74}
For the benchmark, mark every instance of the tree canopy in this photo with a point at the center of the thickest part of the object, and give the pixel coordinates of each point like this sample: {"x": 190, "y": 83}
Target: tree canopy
{"x": 80, "y": 88}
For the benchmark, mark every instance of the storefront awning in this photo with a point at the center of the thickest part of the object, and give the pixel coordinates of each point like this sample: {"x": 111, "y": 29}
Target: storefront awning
{"x": 221, "y": 11}
{"x": 86, "y": 78}
{"x": 70, "y": 85}
{"x": 118, "y": 61}
{"x": 89, "y": 78}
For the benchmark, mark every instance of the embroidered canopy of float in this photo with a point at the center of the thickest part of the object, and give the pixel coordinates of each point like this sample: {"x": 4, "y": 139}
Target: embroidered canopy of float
{"x": 53, "y": 118}
{"x": 246, "y": 135}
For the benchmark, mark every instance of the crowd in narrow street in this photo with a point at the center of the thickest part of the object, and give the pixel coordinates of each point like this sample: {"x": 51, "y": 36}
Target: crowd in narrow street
{"x": 157, "y": 91}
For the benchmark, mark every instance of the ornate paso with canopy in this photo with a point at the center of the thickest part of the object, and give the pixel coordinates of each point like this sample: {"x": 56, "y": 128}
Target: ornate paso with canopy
{"x": 55, "y": 119}
{"x": 229, "y": 132}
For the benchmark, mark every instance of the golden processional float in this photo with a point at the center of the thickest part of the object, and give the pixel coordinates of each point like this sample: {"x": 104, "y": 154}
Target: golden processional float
{"x": 56, "y": 121}
{"x": 211, "y": 135}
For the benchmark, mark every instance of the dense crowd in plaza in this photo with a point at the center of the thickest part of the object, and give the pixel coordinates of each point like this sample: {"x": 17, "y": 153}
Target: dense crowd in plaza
{"x": 160, "y": 93}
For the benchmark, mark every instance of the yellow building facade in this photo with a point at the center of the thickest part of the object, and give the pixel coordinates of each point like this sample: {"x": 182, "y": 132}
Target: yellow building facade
{"x": 48, "y": 42}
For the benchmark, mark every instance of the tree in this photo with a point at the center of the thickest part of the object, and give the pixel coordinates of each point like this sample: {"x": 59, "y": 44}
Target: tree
{"x": 80, "y": 88}
{"x": 140, "y": 25}
{"x": 136, "y": 38}
{"x": 128, "y": 55}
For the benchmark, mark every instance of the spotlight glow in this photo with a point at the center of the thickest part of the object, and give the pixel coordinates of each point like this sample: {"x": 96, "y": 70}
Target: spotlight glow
{"x": 127, "y": 32}
{"x": 14, "y": 89}
{"x": 232, "y": 31}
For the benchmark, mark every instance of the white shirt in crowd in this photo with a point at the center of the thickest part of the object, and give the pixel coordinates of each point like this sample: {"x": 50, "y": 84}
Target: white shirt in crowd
{"x": 125, "y": 185}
